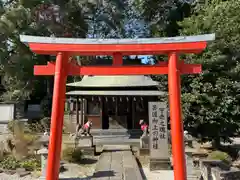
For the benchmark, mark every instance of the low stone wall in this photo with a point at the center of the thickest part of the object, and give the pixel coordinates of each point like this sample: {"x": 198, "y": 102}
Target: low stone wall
{"x": 232, "y": 174}
{"x": 218, "y": 170}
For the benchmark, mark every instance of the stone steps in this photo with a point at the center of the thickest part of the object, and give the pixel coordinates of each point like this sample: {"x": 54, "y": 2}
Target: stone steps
{"x": 117, "y": 163}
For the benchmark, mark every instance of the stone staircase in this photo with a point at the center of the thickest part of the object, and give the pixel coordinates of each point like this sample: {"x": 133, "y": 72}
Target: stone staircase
{"x": 117, "y": 163}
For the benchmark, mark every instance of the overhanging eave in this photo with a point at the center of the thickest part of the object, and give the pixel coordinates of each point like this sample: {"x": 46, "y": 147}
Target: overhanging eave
{"x": 181, "y": 44}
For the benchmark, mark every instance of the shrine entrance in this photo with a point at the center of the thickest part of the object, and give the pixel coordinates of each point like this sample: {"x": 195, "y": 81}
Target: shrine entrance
{"x": 63, "y": 48}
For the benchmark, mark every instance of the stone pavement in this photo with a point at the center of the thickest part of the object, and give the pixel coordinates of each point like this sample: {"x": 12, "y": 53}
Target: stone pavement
{"x": 192, "y": 172}
{"x": 117, "y": 163}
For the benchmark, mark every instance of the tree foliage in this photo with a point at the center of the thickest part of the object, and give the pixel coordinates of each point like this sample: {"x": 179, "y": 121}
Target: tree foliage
{"x": 68, "y": 18}
{"x": 211, "y": 100}
{"x": 162, "y": 16}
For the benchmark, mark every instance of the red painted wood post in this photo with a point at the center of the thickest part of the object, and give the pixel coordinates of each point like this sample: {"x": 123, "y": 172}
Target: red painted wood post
{"x": 178, "y": 149}
{"x": 117, "y": 59}
{"x": 59, "y": 91}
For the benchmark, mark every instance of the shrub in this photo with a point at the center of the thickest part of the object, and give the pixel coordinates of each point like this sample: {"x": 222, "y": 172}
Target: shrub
{"x": 3, "y": 152}
{"x": 73, "y": 155}
{"x": 14, "y": 125}
{"x": 31, "y": 164}
{"x": 10, "y": 162}
{"x": 45, "y": 122}
{"x": 10, "y": 126}
{"x": 21, "y": 140}
{"x": 35, "y": 127}
{"x": 219, "y": 155}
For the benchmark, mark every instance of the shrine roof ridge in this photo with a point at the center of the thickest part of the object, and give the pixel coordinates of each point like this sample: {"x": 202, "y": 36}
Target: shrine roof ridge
{"x": 54, "y": 40}
{"x": 118, "y": 93}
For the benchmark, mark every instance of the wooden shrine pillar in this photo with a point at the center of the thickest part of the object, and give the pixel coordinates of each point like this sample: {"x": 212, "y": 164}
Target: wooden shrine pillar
{"x": 55, "y": 142}
{"x": 116, "y": 106}
{"x": 133, "y": 112}
{"x": 129, "y": 113}
{"x": 84, "y": 109}
{"x": 81, "y": 101}
{"x": 77, "y": 110}
{"x": 101, "y": 110}
{"x": 178, "y": 148}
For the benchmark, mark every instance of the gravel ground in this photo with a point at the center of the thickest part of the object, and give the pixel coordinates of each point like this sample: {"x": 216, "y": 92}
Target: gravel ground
{"x": 192, "y": 172}
{"x": 15, "y": 177}
{"x": 77, "y": 172}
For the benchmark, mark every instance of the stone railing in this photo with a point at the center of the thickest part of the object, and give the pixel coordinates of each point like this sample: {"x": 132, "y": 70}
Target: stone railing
{"x": 218, "y": 170}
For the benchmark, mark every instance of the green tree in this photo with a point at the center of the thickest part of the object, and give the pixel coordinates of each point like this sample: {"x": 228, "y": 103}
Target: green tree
{"x": 43, "y": 18}
{"x": 211, "y": 100}
{"x": 162, "y": 16}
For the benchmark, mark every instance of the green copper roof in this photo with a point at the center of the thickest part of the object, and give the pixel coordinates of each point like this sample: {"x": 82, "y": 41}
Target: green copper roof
{"x": 117, "y": 93}
{"x": 114, "y": 81}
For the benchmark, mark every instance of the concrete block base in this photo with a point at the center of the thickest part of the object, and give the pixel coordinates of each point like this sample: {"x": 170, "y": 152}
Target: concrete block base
{"x": 88, "y": 151}
{"x": 160, "y": 164}
{"x": 144, "y": 151}
{"x": 98, "y": 149}
{"x": 85, "y": 141}
{"x": 144, "y": 142}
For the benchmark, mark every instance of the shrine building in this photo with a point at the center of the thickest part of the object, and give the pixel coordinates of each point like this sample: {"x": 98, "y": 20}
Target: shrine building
{"x": 112, "y": 102}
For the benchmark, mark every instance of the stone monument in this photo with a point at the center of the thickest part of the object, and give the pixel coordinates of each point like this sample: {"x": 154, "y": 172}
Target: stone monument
{"x": 159, "y": 152}
{"x": 44, "y": 140}
{"x": 44, "y": 156}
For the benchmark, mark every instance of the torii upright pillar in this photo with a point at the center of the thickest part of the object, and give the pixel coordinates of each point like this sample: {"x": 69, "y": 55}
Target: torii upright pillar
{"x": 174, "y": 89}
{"x": 64, "y": 48}
{"x": 60, "y": 77}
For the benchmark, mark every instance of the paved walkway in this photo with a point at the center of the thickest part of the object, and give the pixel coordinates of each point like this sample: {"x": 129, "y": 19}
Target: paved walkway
{"x": 117, "y": 163}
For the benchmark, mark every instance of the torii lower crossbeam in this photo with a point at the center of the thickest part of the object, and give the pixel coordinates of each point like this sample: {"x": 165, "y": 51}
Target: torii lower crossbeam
{"x": 65, "y": 47}
{"x": 160, "y": 69}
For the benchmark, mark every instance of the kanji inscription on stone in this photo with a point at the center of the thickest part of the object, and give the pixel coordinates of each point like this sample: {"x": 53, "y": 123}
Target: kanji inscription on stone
{"x": 158, "y": 130}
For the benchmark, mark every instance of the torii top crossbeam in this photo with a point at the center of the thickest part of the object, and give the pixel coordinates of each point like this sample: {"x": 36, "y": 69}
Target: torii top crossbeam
{"x": 144, "y": 46}
{"x": 65, "y": 47}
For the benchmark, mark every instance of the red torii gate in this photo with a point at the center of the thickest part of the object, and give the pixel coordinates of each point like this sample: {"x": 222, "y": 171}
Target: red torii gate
{"x": 63, "y": 48}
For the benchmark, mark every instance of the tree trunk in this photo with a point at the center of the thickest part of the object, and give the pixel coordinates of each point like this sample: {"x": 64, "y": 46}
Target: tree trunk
{"x": 216, "y": 143}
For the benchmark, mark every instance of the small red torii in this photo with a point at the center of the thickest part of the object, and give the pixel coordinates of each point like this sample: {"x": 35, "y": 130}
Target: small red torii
{"x": 64, "y": 48}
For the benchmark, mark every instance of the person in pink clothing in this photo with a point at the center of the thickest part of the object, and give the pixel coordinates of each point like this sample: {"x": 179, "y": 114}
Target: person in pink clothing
{"x": 144, "y": 127}
{"x": 87, "y": 127}
{"x": 84, "y": 129}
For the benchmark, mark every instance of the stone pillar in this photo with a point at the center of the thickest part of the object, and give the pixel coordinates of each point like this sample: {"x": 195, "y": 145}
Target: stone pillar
{"x": 44, "y": 155}
{"x": 159, "y": 152}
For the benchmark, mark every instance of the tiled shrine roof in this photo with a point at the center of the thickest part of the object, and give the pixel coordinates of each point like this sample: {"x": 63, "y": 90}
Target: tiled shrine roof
{"x": 114, "y": 81}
